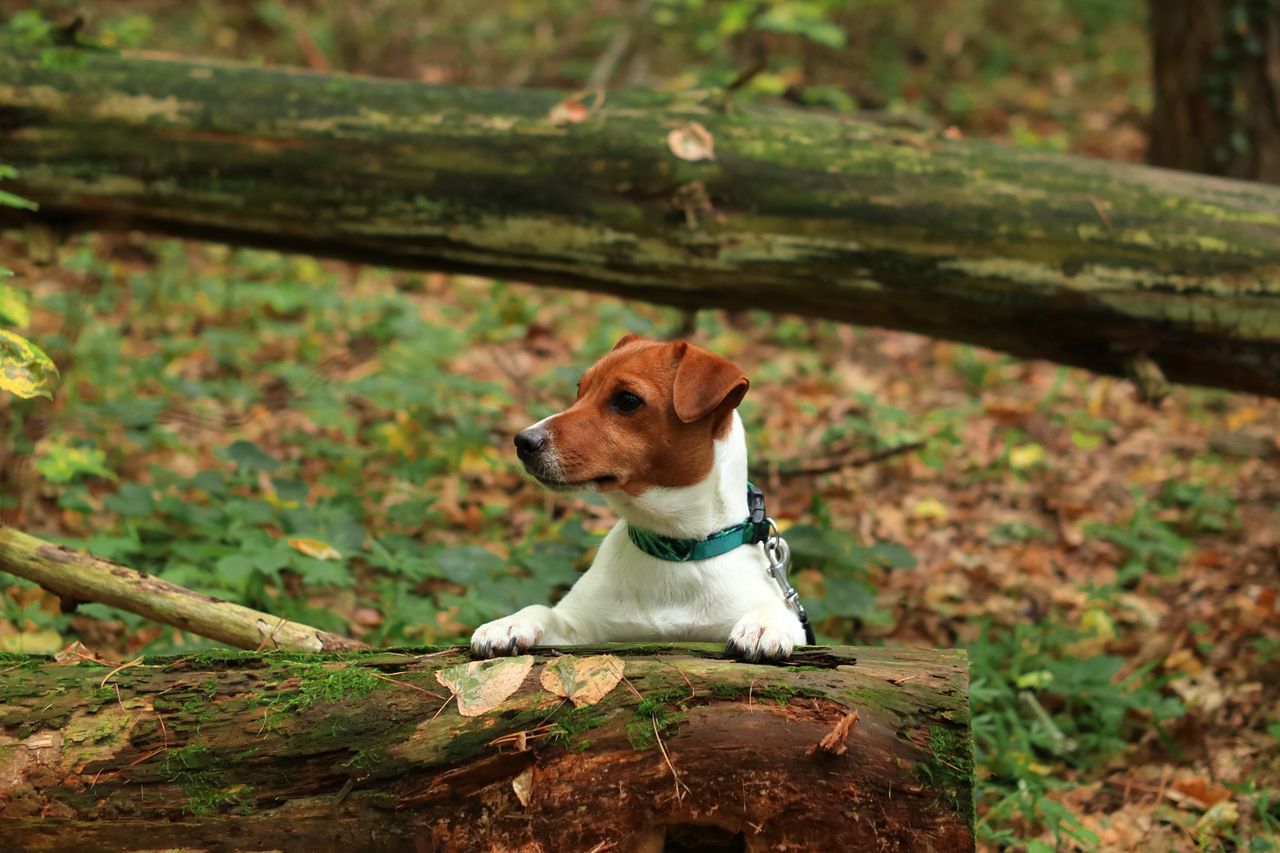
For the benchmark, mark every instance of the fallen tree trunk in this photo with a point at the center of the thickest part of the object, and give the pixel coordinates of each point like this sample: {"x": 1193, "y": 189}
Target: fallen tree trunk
{"x": 1107, "y": 266}
{"x": 227, "y": 751}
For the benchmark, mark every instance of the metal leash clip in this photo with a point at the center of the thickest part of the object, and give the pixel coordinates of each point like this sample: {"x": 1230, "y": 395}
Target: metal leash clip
{"x": 778, "y": 552}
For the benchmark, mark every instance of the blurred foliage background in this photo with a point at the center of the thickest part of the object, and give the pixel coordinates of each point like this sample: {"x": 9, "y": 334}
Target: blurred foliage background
{"x": 1111, "y": 568}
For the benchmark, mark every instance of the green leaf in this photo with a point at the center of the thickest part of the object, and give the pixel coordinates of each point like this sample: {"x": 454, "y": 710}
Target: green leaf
{"x": 15, "y": 307}
{"x": 322, "y": 572}
{"x": 132, "y": 500}
{"x": 886, "y": 555}
{"x": 248, "y": 457}
{"x": 212, "y": 482}
{"x": 467, "y": 564}
{"x": 62, "y": 463}
{"x": 8, "y": 199}
{"x": 235, "y": 570}
{"x": 804, "y": 20}
{"x": 25, "y": 370}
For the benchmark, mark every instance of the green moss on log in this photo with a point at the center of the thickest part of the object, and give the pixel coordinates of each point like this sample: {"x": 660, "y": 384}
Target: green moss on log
{"x": 246, "y": 745}
{"x": 1075, "y": 260}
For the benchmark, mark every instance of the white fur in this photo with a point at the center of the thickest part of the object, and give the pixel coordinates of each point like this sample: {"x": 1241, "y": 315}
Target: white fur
{"x": 627, "y": 595}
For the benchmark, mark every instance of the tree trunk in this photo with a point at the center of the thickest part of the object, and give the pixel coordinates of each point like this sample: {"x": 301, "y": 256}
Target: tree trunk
{"x": 1216, "y": 69}
{"x": 226, "y": 751}
{"x": 1083, "y": 262}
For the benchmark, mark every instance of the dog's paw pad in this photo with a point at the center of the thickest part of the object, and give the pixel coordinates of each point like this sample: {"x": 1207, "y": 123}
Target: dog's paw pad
{"x": 503, "y": 637}
{"x": 755, "y": 642}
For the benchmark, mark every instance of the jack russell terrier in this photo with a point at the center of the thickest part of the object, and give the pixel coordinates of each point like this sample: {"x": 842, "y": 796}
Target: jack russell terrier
{"x": 656, "y": 432}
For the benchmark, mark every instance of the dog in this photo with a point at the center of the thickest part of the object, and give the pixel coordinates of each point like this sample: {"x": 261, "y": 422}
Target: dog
{"x": 656, "y": 432}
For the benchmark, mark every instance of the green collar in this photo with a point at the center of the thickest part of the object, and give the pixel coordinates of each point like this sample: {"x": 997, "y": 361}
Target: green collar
{"x": 748, "y": 532}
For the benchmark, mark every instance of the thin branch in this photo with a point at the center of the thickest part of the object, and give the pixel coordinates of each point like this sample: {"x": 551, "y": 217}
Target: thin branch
{"x": 108, "y": 676}
{"x": 674, "y": 775}
{"x": 830, "y": 466}
{"x": 68, "y": 573}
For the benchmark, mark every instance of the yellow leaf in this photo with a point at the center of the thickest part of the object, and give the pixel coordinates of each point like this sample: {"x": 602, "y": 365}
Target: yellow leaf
{"x": 1241, "y": 417}
{"x": 15, "y": 309}
{"x": 1096, "y": 622}
{"x": 1025, "y": 455}
{"x": 931, "y": 508}
{"x": 480, "y": 460}
{"x": 1220, "y": 818}
{"x": 25, "y": 370}
{"x": 315, "y": 548}
{"x": 32, "y": 642}
{"x": 583, "y": 681}
{"x": 483, "y": 685}
{"x": 1039, "y": 678}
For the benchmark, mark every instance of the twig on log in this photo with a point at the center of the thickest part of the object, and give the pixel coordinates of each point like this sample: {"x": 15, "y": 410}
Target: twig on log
{"x": 69, "y": 573}
{"x": 836, "y": 741}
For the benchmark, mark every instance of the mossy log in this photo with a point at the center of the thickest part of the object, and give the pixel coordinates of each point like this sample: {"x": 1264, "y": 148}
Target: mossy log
{"x": 228, "y": 751}
{"x": 1088, "y": 263}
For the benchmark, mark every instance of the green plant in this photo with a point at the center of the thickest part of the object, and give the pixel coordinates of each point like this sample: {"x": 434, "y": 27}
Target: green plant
{"x": 1151, "y": 545}
{"x": 25, "y": 370}
{"x": 848, "y": 595}
{"x": 1039, "y": 707}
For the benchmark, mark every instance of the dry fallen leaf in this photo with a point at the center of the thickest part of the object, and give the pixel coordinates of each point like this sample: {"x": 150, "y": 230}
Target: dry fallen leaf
{"x": 77, "y": 652}
{"x": 583, "y": 681}
{"x": 1201, "y": 793}
{"x": 568, "y": 111}
{"x": 930, "y": 508}
{"x": 692, "y": 142}
{"x": 483, "y": 685}
{"x": 315, "y": 548}
{"x": 523, "y": 786}
{"x": 1025, "y": 455}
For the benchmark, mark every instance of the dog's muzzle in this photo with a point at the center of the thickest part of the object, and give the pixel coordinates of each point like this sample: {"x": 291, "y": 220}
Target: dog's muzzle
{"x": 530, "y": 443}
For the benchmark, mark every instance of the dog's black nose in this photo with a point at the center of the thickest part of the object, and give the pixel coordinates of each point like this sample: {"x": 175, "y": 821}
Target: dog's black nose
{"x": 530, "y": 441}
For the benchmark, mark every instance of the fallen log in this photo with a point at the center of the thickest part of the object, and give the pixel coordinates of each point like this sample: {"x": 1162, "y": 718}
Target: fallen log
{"x": 845, "y": 749}
{"x": 672, "y": 198}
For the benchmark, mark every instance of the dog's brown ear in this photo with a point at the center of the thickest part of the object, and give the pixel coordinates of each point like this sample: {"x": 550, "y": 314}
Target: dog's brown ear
{"x": 626, "y": 339}
{"x": 705, "y": 383}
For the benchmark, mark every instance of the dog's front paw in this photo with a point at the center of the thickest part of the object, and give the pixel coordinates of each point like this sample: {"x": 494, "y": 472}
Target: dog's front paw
{"x": 513, "y": 635}
{"x": 760, "y": 638}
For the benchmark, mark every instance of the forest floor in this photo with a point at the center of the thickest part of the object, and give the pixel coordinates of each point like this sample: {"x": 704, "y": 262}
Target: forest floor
{"x": 332, "y": 443}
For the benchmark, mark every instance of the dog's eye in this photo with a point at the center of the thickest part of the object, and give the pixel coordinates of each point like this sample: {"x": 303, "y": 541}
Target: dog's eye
{"x": 626, "y": 402}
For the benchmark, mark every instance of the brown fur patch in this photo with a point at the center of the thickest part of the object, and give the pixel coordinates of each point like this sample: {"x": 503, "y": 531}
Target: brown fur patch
{"x": 655, "y": 445}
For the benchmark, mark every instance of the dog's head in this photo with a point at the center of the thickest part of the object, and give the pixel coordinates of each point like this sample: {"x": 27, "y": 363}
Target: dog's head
{"x": 647, "y": 415}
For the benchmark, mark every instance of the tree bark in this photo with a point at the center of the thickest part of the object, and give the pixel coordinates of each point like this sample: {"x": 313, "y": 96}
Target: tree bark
{"x": 225, "y": 751}
{"x": 1216, "y": 70}
{"x": 1082, "y": 262}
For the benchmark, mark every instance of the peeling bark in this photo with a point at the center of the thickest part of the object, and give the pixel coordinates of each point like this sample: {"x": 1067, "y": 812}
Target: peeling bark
{"x": 1078, "y": 261}
{"x": 228, "y": 751}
